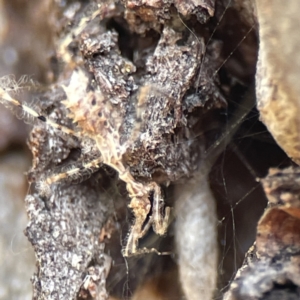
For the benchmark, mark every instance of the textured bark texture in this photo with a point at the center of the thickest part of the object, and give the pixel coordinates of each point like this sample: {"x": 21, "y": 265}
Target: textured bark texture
{"x": 136, "y": 101}
{"x": 278, "y": 70}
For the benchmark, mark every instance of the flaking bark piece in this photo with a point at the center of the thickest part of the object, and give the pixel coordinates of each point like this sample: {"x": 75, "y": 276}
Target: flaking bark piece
{"x": 272, "y": 267}
{"x": 204, "y": 92}
{"x": 64, "y": 231}
{"x": 162, "y": 146}
{"x": 94, "y": 284}
{"x": 154, "y": 107}
{"x": 54, "y": 151}
{"x": 112, "y": 71}
{"x": 65, "y": 227}
{"x": 282, "y": 187}
{"x": 278, "y": 71}
{"x": 152, "y": 14}
{"x": 50, "y": 148}
{"x": 203, "y": 9}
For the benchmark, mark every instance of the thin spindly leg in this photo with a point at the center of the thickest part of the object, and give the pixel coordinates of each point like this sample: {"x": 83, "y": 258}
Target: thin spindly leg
{"x": 44, "y": 185}
{"x": 159, "y": 219}
{"x": 133, "y": 238}
{"x": 160, "y": 213}
{"x": 135, "y": 234}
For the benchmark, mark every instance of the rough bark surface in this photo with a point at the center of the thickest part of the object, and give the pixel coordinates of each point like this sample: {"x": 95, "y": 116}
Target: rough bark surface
{"x": 271, "y": 268}
{"x": 278, "y": 73}
{"x": 164, "y": 82}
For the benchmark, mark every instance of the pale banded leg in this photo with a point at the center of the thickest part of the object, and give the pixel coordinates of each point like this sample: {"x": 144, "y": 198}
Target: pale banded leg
{"x": 44, "y": 186}
{"x": 7, "y": 100}
{"x": 159, "y": 219}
